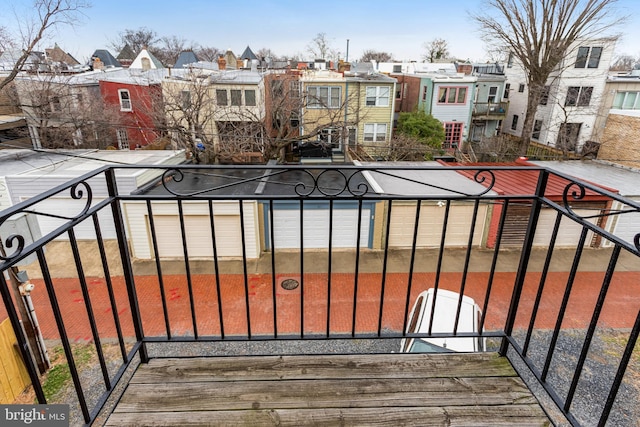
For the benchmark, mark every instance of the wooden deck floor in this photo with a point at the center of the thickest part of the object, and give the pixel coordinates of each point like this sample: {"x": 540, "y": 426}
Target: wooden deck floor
{"x": 391, "y": 389}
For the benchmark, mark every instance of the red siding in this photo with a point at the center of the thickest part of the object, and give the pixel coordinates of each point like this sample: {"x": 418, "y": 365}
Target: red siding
{"x": 139, "y": 122}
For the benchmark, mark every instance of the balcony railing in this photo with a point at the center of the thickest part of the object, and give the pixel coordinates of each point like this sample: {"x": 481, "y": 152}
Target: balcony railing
{"x": 490, "y": 110}
{"x": 214, "y": 254}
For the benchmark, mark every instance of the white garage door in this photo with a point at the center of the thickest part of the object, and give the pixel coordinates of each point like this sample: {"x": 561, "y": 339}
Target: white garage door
{"x": 198, "y": 236}
{"x": 403, "y": 218}
{"x": 627, "y": 225}
{"x": 568, "y": 232}
{"x": 316, "y": 228}
{"x": 70, "y": 207}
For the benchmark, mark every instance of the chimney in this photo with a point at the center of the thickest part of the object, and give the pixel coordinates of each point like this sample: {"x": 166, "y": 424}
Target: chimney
{"x": 239, "y": 64}
{"x": 222, "y": 63}
{"x": 97, "y": 64}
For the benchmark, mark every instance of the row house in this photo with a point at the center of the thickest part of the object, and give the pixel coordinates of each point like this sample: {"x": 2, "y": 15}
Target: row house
{"x": 490, "y": 103}
{"x": 449, "y": 97}
{"x": 63, "y": 111}
{"x": 347, "y": 110}
{"x": 134, "y": 99}
{"x": 566, "y": 116}
{"x": 217, "y": 111}
{"x": 617, "y": 127}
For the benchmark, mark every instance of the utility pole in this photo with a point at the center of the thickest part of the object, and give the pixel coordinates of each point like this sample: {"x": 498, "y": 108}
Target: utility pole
{"x": 347, "y": 58}
{"x": 20, "y": 293}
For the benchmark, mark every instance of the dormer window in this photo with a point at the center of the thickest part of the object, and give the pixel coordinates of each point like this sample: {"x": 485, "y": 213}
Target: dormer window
{"x": 125, "y": 100}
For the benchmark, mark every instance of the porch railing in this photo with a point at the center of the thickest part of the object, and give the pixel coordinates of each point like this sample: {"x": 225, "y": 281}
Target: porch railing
{"x": 256, "y": 220}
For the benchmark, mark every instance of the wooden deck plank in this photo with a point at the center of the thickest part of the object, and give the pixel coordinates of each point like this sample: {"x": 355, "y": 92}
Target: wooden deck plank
{"x": 388, "y": 390}
{"x": 338, "y": 366}
{"x": 207, "y": 396}
{"x": 520, "y": 415}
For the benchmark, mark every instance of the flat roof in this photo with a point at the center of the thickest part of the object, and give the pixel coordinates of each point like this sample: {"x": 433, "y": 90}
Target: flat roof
{"x": 74, "y": 163}
{"x": 414, "y": 181}
{"x": 625, "y": 180}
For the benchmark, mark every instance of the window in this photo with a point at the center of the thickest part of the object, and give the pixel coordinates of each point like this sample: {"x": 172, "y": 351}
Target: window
{"x": 521, "y": 88}
{"x": 578, "y": 96}
{"x": 375, "y": 132}
{"x": 324, "y": 97}
{"x": 568, "y": 136}
{"x": 185, "y": 97}
{"x": 400, "y": 89}
{"x": 125, "y": 100}
{"x": 544, "y": 97}
{"x": 627, "y": 101}
{"x": 221, "y": 97}
{"x": 236, "y": 97}
{"x": 276, "y": 88}
{"x": 588, "y": 57}
{"x": 452, "y": 95}
{"x": 424, "y": 93}
{"x": 294, "y": 88}
{"x": 537, "y": 127}
{"x": 452, "y": 134}
{"x": 507, "y": 88}
{"x": 330, "y": 136}
{"x": 377, "y": 96}
{"x": 397, "y": 68}
{"x": 514, "y": 122}
{"x": 493, "y": 93}
{"x": 55, "y": 104}
{"x": 250, "y": 98}
{"x": 123, "y": 139}
{"x": 510, "y": 60}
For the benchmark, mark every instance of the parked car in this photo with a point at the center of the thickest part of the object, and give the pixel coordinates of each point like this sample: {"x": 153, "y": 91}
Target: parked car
{"x": 443, "y": 322}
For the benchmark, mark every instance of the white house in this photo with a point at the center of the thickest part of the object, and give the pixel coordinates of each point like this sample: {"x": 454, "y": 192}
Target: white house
{"x": 567, "y": 113}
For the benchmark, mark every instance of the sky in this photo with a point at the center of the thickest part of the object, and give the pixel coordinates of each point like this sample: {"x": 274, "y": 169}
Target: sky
{"x": 287, "y": 27}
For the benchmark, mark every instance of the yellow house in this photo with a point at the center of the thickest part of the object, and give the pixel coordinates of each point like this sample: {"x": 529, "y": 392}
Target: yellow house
{"x": 341, "y": 110}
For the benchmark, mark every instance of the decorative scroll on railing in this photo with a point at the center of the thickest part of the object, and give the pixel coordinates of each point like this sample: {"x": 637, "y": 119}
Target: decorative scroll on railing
{"x": 16, "y": 242}
{"x": 315, "y": 182}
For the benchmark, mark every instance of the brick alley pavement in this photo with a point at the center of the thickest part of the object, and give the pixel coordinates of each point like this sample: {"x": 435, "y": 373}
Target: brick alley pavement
{"x": 621, "y": 306}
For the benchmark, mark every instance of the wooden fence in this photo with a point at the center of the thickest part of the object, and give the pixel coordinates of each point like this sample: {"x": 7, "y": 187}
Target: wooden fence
{"x": 13, "y": 374}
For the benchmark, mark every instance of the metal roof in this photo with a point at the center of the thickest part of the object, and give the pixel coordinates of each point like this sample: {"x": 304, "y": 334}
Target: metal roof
{"x": 106, "y": 57}
{"x": 522, "y": 179}
{"x": 186, "y": 57}
{"x": 625, "y": 180}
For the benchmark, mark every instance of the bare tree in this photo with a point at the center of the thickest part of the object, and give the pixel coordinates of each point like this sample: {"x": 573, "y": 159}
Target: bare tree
{"x": 374, "y": 55}
{"x": 207, "y": 53}
{"x": 169, "y": 49}
{"x": 137, "y": 40}
{"x": 320, "y": 47}
{"x": 63, "y": 115}
{"x": 624, "y": 63}
{"x": 46, "y": 14}
{"x": 436, "y": 49}
{"x": 539, "y": 33}
{"x": 265, "y": 52}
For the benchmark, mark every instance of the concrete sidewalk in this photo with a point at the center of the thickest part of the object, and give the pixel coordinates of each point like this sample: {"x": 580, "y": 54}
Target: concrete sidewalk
{"x": 60, "y": 261}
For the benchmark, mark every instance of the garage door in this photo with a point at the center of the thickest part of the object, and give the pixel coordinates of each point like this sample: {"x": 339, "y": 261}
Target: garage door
{"x": 69, "y": 207}
{"x": 568, "y": 232}
{"x": 316, "y": 226}
{"x": 198, "y": 236}
{"x": 627, "y": 225}
{"x": 403, "y": 218}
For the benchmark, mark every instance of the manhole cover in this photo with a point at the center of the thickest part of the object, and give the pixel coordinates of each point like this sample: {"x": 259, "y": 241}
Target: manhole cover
{"x": 289, "y": 284}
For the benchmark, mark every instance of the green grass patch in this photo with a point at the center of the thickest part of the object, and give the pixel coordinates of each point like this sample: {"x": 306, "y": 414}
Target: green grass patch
{"x": 59, "y": 375}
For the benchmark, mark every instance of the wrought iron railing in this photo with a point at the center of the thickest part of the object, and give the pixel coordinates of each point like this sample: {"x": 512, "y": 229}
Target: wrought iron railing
{"x": 274, "y": 241}
{"x": 490, "y": 109}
